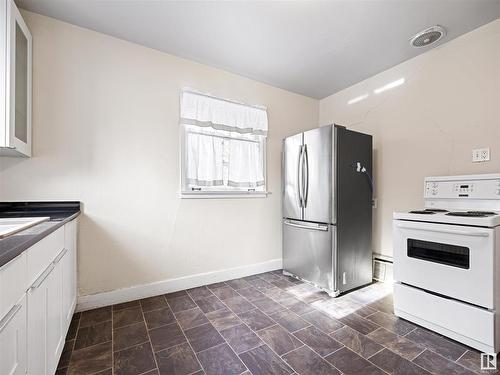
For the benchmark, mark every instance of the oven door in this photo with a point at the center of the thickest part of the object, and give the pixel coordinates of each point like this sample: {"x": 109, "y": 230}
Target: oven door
{"x": 452, "y": 260}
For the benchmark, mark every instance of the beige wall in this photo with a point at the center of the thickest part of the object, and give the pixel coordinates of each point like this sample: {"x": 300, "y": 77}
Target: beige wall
{"x": 105, "y": 121}
{"x": 449, "y": 104}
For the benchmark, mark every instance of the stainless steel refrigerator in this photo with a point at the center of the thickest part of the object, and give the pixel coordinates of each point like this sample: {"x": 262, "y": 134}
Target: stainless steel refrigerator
{"x": 327, "y": 208}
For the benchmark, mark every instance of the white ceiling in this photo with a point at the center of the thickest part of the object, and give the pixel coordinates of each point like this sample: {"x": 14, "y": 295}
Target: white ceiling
{"x": 315, "y": 48}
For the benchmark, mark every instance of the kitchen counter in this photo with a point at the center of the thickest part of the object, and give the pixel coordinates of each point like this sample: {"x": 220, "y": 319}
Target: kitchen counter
{"x": 59, "y": 212}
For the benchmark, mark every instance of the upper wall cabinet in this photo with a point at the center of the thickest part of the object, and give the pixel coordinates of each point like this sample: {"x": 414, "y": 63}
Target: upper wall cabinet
{"x": 15, "y": 82}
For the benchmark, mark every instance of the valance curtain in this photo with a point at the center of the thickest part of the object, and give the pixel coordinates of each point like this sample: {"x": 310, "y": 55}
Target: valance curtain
{"x": 224, "y": 142}
{"x": 206, "y": 111}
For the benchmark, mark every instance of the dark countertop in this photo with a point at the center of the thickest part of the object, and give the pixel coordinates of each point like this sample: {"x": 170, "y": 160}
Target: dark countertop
{"x": 59, "y": 212}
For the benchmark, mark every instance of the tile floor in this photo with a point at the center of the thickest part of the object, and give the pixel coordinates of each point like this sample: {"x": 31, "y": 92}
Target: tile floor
{"x": 262, "y": 324}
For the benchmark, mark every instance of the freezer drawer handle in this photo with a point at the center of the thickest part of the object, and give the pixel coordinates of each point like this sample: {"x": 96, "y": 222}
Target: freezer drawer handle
{"x": 323, "y": 228}
{"x": 447, "y": 231}
{"x": 13, "y": 311}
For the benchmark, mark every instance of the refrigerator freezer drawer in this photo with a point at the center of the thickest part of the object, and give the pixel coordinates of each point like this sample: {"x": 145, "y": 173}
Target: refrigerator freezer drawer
{"x": 307, "y": 251}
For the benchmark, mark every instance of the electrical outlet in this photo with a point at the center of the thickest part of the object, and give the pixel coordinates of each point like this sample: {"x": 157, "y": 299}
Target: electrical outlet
{"x": 480, "y": 155}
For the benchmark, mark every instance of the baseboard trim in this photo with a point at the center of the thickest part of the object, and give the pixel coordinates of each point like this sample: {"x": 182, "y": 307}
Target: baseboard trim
{"x": 112, "y": 297}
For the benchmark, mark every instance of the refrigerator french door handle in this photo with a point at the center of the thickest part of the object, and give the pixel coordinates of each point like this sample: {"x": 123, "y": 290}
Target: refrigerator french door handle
{"x": 306, "y": 176}
{"x": 300, "y": 179}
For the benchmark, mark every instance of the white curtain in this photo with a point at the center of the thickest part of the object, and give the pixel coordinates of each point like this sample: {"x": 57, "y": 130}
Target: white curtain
{"x": 206, "y": 111}
{"x": 204, "y": 160}
{"x": 224, "y": 141}
{"x": 245, "y": 164}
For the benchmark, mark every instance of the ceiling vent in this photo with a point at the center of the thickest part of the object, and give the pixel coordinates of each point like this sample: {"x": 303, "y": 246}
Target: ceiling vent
{"x": 428, "y": 36}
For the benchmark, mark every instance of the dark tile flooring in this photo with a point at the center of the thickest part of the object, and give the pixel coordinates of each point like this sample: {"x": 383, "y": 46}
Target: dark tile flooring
{"x": 262, "y": 324}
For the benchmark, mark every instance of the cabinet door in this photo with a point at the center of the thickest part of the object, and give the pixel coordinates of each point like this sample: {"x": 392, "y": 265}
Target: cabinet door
{"x": 12, "y": 282}
{"x": 54, "y": 333}
{"x": 19, "y": 55}
{"x": 45, "y": 333}
{"x": 37, "y": 324}
{"x": 13, "y": 340}
{"x": 69, "y": 273}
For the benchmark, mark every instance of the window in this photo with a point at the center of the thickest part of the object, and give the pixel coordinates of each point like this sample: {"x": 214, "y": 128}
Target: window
{"x": 223, "y": 147}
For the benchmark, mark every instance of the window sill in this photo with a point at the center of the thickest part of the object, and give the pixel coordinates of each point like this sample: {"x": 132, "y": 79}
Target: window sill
{"x": 223, "y": 195}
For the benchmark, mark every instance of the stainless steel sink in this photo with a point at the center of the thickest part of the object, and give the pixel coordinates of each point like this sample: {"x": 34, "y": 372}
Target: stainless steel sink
{"x": 9, "y": 226}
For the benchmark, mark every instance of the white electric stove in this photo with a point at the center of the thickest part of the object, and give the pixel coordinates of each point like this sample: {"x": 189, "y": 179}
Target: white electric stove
{"x": 447, "y": 260}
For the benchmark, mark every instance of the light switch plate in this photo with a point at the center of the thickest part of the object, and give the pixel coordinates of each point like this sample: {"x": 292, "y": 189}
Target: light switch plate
{"x": 480, "y": 155}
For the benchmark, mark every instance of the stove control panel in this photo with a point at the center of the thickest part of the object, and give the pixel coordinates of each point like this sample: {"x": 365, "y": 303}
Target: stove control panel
{"x": 463, "y": 188}
{"x": 467, "y": 189}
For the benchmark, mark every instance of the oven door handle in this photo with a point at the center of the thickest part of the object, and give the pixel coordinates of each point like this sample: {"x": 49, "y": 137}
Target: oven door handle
{"x": 469, "y": 233}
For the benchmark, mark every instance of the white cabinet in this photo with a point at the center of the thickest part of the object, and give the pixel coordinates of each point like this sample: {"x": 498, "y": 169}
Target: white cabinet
{"x": 38, "y": 323}
{"x": 13, "y": 283}
{"x": 46, "y": 332}
{"x": 15, "y": 82}
{"x": 33, "y": 327}
{"x": 69, "y": 293}
{"x": 51, "y": 300}
{"x": 13, "y": 340}
{"x": 56, "y": 334}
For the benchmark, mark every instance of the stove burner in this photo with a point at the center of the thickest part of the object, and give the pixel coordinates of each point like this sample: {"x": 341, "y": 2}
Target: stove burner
{"x": 472, "y": 213}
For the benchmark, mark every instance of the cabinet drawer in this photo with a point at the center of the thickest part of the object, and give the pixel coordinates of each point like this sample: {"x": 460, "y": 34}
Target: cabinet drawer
{"x": 41, "y": 254}
{"x": 13, "y": 283}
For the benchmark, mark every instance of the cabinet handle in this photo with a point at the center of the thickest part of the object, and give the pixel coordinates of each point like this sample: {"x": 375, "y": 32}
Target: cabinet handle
{"x": 60, "y": 256}
{"x": 12, "y": 312}
{"x": 42, "y": 277}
